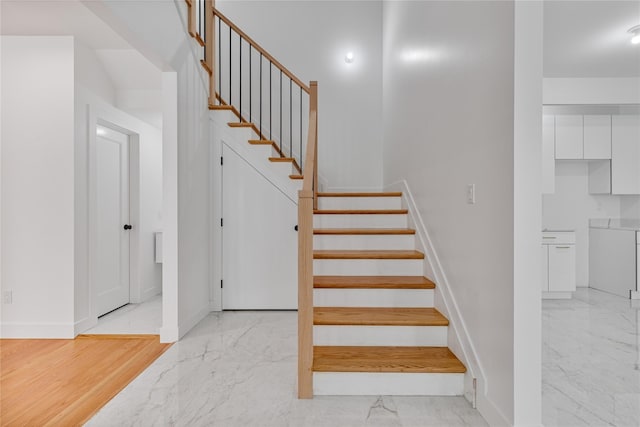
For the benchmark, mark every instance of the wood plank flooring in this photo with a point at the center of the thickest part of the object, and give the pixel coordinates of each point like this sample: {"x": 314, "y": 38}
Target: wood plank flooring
{"x": 65, "y": 382}
{"x": 386, "y": 359}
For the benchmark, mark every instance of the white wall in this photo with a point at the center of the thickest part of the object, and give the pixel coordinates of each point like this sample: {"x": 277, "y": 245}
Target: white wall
{"x": 185, "y": 152}
{"x": 571, "y": 207}
{"x": 448, "y": 122}
{"x": 90, "y": 73}
{"x": 311, "y": 38}
{"x": 38, "y": 186}
{"x": 603, "y": 90}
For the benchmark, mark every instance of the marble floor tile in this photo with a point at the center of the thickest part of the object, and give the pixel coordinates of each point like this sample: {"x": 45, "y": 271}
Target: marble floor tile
{"x": 144, "y": 318}
{"x": 239, "y": 369}
{"x": 590, "y": 360}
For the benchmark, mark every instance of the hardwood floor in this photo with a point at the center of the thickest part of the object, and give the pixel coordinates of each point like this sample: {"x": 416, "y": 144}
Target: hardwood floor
{"x": 65, "y": 382}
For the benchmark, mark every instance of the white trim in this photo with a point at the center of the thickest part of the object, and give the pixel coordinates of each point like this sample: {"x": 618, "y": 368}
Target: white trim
{"x": 192, "y": 321}
{"x": 490, "y": 412}
{"x": 459, "y": 338}
{"x": 85, "y": 324}
{"x": 38, "y": 330}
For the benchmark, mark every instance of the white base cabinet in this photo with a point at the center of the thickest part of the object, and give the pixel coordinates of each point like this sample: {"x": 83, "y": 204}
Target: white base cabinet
{"x": 558, "y": 276}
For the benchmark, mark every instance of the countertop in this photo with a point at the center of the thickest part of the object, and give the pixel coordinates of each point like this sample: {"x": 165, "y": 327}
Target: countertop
{"x": 615, "y": 223}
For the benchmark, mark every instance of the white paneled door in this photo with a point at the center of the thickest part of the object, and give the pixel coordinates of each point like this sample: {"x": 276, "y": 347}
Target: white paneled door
{"x": 259, "y": 240}
{"x": 111, "y": 275}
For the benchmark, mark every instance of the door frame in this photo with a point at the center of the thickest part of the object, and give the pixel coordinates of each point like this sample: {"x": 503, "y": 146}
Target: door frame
{"x": 103, "y": 118}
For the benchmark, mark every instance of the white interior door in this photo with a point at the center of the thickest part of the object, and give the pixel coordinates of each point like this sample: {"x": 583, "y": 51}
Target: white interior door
{"x": 111, "y": 274}
{"x": 259, "y": 249}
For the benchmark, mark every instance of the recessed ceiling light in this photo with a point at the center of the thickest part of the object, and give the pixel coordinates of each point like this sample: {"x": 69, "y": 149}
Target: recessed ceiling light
{"x": 101, "y": 132}
{"x": 635, "y": 34}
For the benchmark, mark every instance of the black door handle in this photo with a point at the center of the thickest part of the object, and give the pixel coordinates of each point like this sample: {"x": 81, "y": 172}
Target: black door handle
{"x": 127, "y": 227}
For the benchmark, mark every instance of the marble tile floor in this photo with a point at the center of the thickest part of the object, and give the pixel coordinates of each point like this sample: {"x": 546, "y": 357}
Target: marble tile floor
{"x": 238, "y": 369}
{"x": 590, "y": 360}
{"x": 144, "y": 318}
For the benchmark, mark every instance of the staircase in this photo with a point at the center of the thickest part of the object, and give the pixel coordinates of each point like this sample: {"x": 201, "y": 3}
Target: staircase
{"x": 375, "y": 328}
{"x": 367, "y": 324}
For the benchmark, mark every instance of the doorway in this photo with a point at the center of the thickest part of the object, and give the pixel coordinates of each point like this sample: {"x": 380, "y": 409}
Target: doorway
{"x": 112, "y": 222}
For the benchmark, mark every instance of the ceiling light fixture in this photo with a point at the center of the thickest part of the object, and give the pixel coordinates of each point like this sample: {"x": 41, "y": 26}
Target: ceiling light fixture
{"x": 101, "y": 132}
{"x": 349, "y": 57}
{"x": 635, "y": 34}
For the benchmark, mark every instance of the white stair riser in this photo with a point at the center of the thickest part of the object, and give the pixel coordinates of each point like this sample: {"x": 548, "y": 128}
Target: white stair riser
{"x": 359, "y": 203}
{"x": 284, "y": 168}
{"x": 368, "y": 267}
{"x": 402, "y": 336}
{"x": 364, "y": 241}
{"x": 360, "y": 221}
{"x": 373, "y": 297}
{"x": 387, "y": 383}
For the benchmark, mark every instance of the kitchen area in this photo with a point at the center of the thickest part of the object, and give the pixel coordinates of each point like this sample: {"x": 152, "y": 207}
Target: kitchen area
{"x": 591, "y": 199}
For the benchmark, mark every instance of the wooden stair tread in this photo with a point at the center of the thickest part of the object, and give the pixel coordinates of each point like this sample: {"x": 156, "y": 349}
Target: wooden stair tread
{"x": 368, "y": 254}
{"x": 221, "y": 107}
{"x": 240, "y": 125}
{"x": 372, "y": 282}
{"x": 378, "y": 316}
{"x": 386, "y": 359}
{"x": 365, "y": 231}
{"x": 360, "y": 211}
{"x": 364, "y": 194}
{"x": 261, "y": 142}
{"x": 296, "y": 176}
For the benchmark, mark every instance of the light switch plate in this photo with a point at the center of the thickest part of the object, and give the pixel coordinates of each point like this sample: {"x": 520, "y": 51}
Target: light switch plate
{"x": 471, "y": 194}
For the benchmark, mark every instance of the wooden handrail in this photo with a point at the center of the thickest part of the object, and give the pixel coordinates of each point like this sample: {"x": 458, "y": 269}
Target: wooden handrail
{"x": 307, "y": 200}
{"x": 260, "y": 49}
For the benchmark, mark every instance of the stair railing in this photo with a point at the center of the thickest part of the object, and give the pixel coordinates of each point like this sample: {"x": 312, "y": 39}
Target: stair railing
{"x": 223, "y": 54}
{"x": 261, "y": 90}
{"x": 307, "y": 202}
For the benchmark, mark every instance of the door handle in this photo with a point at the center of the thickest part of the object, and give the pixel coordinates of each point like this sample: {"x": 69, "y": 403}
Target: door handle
{"x": 127, "y": 227}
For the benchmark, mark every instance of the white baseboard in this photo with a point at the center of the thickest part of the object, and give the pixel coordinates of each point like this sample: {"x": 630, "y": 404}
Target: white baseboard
{"x": 490, "y": 412}
{"x": 460, "y": 341}
{"x": 169, "y": 334}
{"x": 85, "y": 324}
{"x": 37, "y": 330}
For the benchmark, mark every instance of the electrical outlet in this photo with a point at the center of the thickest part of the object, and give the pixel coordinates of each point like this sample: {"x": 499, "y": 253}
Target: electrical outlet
{"x": 471, "y": 194}
{"x": 7, "y": 297}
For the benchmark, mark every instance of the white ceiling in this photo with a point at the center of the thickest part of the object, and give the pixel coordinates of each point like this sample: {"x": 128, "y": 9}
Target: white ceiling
{"x": 590, "y": 38}
{"x": 126, "y": 67}
{"x": 58, "y": 18}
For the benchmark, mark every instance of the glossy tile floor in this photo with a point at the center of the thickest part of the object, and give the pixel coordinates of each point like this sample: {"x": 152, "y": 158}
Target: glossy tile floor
{"x": 238, "y": 369}
{"x": 145, "y": 318}
{"x": 590, "y": 357}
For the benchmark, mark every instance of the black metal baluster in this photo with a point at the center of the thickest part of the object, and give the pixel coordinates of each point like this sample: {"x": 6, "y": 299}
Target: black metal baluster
{"x": 230, "y": 87}
{"x": 300, "y": 153}
{"x": 290, "y": 118}
{"x": 250, "y": 83}
{"x": 270, "y": 121}
{"x": 219, "y": 62}
{"x": 260, "y": 97}
{"x": 280, "y": 142}
{"x": 240, "y": 81}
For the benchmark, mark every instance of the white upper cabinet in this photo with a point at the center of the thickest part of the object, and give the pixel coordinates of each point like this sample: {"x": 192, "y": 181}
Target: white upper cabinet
{"x": 569, "y": 137}
{"x": 548, "y": 155}
{"x": 597, "y": 137}
{"x": 625, "y": 154}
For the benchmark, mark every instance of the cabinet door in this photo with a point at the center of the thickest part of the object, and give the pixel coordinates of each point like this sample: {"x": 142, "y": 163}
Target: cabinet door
{"x": 625, "y": 154}
{"x": 562, "y": 268}
{"x": 548, "y": 155}
{"x": 597, "y": 137}
{"x": 569, "y": 137}
{"x": 544, "y": 261}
